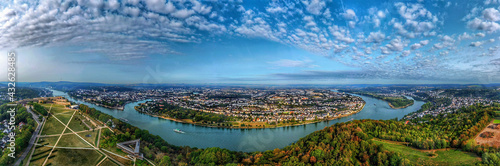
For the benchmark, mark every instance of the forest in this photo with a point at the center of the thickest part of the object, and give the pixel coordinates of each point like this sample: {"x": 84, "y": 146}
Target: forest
{"x": 40, "y": 109}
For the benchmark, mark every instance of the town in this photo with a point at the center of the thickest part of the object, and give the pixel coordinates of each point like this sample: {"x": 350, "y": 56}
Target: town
{"x": 242, "y": 104}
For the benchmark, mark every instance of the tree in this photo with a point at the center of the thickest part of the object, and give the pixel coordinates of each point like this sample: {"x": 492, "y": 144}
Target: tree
{"x": 165, "y": 161}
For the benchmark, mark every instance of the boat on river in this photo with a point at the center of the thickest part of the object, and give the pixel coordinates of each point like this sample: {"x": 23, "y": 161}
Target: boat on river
{"x": 178, "y": 131}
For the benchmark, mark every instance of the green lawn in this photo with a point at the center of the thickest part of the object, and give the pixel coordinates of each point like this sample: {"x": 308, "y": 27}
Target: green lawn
{"x": 76, "y": 125}
{"x": 496, "y": 119}
{"x": 108, "y": 162}
{"x": 56, "y": 110}
{"x": 64, "y": 117}
{"x": 52, "y": 126}
{"x": 92, "y": 138}
{"x": 39, "y": 155}
{"x": 449, "y": 157}
{"x": 71, "y": 140}
{"x": 49, "y": 141}
{"x": 75, "y": 157}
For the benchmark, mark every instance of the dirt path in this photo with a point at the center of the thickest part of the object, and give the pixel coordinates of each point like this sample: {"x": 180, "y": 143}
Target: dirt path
{"x": 495, "y": 141}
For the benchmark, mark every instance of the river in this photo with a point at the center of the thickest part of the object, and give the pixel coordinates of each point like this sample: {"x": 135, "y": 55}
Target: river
{"x": 246, "y": 140}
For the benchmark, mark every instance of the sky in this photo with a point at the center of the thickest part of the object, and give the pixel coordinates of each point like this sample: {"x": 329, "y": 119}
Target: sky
{"x": 253, "y": 42}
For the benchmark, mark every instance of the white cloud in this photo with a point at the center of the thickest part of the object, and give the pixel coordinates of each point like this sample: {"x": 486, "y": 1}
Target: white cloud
{"x": 314, "y": 6}
{"x": 476, "y": 44}
{"x": 487, "y": 2}
{"x": 412, "y": 11}
{"x": 200, "y": 8}
{"x": 419, "y": 45}
{"x": 491, "y": 14}
{"x": 375, "y": 37}
{"x": 276, "y": 9}
{"x": 405, "y": 53}
{"x": 159, "y": 6}
{"x": 349, "y": 14}
{"x": 487, "y": 26}
{"x": 183, "y": 13}
{"x": 381, "y": 14}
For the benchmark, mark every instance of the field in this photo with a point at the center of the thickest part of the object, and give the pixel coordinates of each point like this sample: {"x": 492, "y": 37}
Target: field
{"x": 497, "y": 120}
{"x": 52, "y": 126}
{"x": 443, "y": 157}
{"x": 71, "y": 140}
{"x": 75, "y": 157}
{"x": 108, "y": 162}
{"x": 76, "y": 125}
{"x": 48, "y": 141}
{"x": 72, "y": 148}
{"x": 92, "y": 134}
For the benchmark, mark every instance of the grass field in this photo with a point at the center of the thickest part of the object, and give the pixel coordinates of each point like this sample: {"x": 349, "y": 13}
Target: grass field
{"x": 448, "y": 157}
{"x": 52, "y": 126}
{"x": 56, "y": 110}
{"x": 92, "y": 138}
{"x": 71, "y": 140}
{"x": 108, "y": 162}
{"x": 64, "y": 117}
{"x": 497, "y": 120}
{"x": 76, "y": 125}
{"x": 76, "y": 157}
{"x": 39, "y": 155}
{"x": 49, "y": 141}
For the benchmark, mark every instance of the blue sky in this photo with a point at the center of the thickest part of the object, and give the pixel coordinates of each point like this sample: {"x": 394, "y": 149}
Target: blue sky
{"x": 253, "y": 42}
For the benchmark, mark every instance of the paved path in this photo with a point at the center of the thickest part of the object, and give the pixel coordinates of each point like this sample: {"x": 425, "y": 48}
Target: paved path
{"x": 69, "y": 133}
{"x": 33, "y": 137}
{"x": 102, "y": 160}
{"x": 60, "y": 147}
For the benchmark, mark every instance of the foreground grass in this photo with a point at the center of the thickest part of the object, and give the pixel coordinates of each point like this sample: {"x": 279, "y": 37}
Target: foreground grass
{"x": 497, "y": 120}
{"x": 76, "y": 125}
{"x": 39, "y": 155}
{"x": 64, "y": 117}
{"x": 76, "y": 157}
{"x": 444, "y": 157}
{"x": 52, "y": 126}
{"x": 49, "y": 141}
{"x": 108, "y": 162}
{"x": 92, "y": 134}
{"x": 71, "y": 140}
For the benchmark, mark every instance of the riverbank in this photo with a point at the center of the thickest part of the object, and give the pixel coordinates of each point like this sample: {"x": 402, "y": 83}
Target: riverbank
{"x": 253, "y": 125}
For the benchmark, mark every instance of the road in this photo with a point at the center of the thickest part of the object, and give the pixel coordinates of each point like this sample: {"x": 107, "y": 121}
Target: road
{"x": 33, "y": 137}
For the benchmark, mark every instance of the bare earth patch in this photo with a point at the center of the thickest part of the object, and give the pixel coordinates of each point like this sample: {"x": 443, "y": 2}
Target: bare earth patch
{"x": 494, "y": 141}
